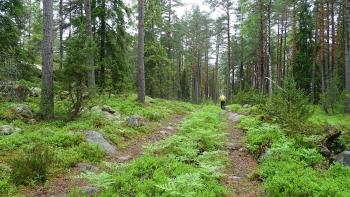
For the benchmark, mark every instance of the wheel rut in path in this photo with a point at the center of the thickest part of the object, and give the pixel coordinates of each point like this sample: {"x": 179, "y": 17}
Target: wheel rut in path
{"x": 64, "y": 184}
{"x": 135, "y": 149}
{"x": 240, "y": 175}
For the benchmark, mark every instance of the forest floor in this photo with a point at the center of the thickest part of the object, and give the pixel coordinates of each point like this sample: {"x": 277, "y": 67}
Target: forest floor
{"x": 68, "y": 183}
{"x": 240, "y": 175}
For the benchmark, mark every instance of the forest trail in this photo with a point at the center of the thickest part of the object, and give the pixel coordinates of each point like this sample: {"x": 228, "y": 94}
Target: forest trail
{"x": 135, "y": 148}
{"x": 64, "y": 184}
{"x": 240, "y": 175}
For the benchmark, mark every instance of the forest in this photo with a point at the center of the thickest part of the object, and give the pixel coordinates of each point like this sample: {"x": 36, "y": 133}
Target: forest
{"x": 122, "y": 98}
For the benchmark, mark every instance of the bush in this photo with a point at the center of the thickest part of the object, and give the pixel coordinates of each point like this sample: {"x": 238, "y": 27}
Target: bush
{"x": 251, "y": 97}
{"x": 31, "y": 166}
{"x": 290, "y": 106}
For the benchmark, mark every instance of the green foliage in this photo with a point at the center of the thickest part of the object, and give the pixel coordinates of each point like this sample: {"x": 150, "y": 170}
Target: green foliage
{"x": 290, "y": 106}
{"x": 187, "y": 164}
{"x": 77, "y": 64}
{"x": 251, "y": 97}
{"x": 31, "y": 166}
{"x": 292, "y": 166}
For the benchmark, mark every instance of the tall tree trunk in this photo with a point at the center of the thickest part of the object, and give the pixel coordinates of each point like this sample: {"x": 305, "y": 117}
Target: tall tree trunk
{"x": 334, "y": 54}
{"x": 281, "y": 51}
{"x": 47, "y": 94}
{"x": 88, "y": 30}
{"x": 294, "y": 32}
{"x": 101, "y": 75}
{"x": 269, "y": 49}
{"x": 216, "y": 71}
{"x": 347, "y": 55}
{"x": 285, "y": 70}
{"x": 322, "y": 56}
{"x": 313, "y": 71}
{"x": 261, "y": 48}
{"x": 61, "y": 34}
{"x": 141, "y": 52}
{"x": 228, "y": 54}
{"x": 206, "y": 72}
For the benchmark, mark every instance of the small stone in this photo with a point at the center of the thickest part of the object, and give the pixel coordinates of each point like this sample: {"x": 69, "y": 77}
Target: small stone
{"x": 170, "y": 128}
{"x": 164, "y": 132}
{"x": 84, "y": 167}
{"x": 124, "y": 158}
{"x": 134, "y": 121}
{"x": 89, "y": 190}
{"x": 8, "y": 130}
{"x": 234, "y": 178}
{"x": 35, "y": 92}
{"x": 31, "y": 121}
{"x": 24, "y": 111}
{"x": 344, "y": 158}
{"x": 108, "y": 109}
{"x": 246, "y": 106}
{"x": 243, "y": 149}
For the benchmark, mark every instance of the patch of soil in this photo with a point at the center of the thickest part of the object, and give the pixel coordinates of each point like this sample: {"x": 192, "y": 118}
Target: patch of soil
{"x": 241, "y": 174}
{"x": 59, "y": 187}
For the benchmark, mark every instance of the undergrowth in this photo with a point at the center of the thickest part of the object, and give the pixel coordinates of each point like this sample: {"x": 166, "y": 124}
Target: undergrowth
{"x": 187, "y": 164}
{"x": 292, "y": 166}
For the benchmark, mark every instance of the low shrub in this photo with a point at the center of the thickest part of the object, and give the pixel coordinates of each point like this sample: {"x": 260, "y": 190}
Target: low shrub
{"x": 290, "y": 106}
{"x": 32, "y": 165}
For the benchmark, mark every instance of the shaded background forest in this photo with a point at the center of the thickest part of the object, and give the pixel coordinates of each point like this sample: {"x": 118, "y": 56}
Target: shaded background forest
{"x": 253, "y": 46}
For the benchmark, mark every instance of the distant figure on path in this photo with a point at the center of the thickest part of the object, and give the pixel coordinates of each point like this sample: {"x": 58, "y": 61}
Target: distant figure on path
{"x": 223, "y": 101}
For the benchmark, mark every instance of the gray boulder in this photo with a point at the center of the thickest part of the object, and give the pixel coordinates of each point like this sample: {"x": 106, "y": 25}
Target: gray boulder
{"x": 135, "y": 121}
{"x": 94, "y": 137}
{"x": 35, "y": 92}
{"x": 8, "y": 130}
{"x": 344, "y": 158}
{"x": 234, "y": 117}
{"x": 24, "y": 111}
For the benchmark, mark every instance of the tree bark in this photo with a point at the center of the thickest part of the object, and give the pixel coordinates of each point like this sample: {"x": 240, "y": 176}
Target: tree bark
{"x": 347, "y": 56}
{"x": 103, "y": 43}
{"x": 141, "y": 52}
{"x": 61, "y": 34}
{"x": 269, "y": 49}
{"x": 228, "y": 55}
{"x": 88, "y": 30}
{"x": 47, "y": 94}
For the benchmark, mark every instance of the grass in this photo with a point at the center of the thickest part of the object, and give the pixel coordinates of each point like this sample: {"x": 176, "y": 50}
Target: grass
{"x": 66, "y": 139}
{"x": 337, "y": 119}
{"x": 187, "y": 164}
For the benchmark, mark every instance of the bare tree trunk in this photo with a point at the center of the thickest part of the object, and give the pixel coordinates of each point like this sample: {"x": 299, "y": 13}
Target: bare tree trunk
{"x": 281, "y": 51}
{"x": 269, "y": 49}
{"x": 294, "y": 50}
{"x": 47, "y": 94}
{"x": 228, "y": 54}
{"x": 216, "y": 72}
{"x": 103, "y": 43}
{"x": 347, "y": 56}
{"x": 322, "y": 56}
{"x": 141, "y": 52}
{"x": 61, "y": 34}
{"x": 313, "y": 72}
{"x": 207, "y": 72}
{"x": 88, "y": 29}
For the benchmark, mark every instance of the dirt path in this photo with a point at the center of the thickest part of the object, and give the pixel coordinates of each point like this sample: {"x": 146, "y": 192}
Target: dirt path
{"x": 135, "y": 149}
{"x": 240, "y": 175}
{"x": 62, "y": 186}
